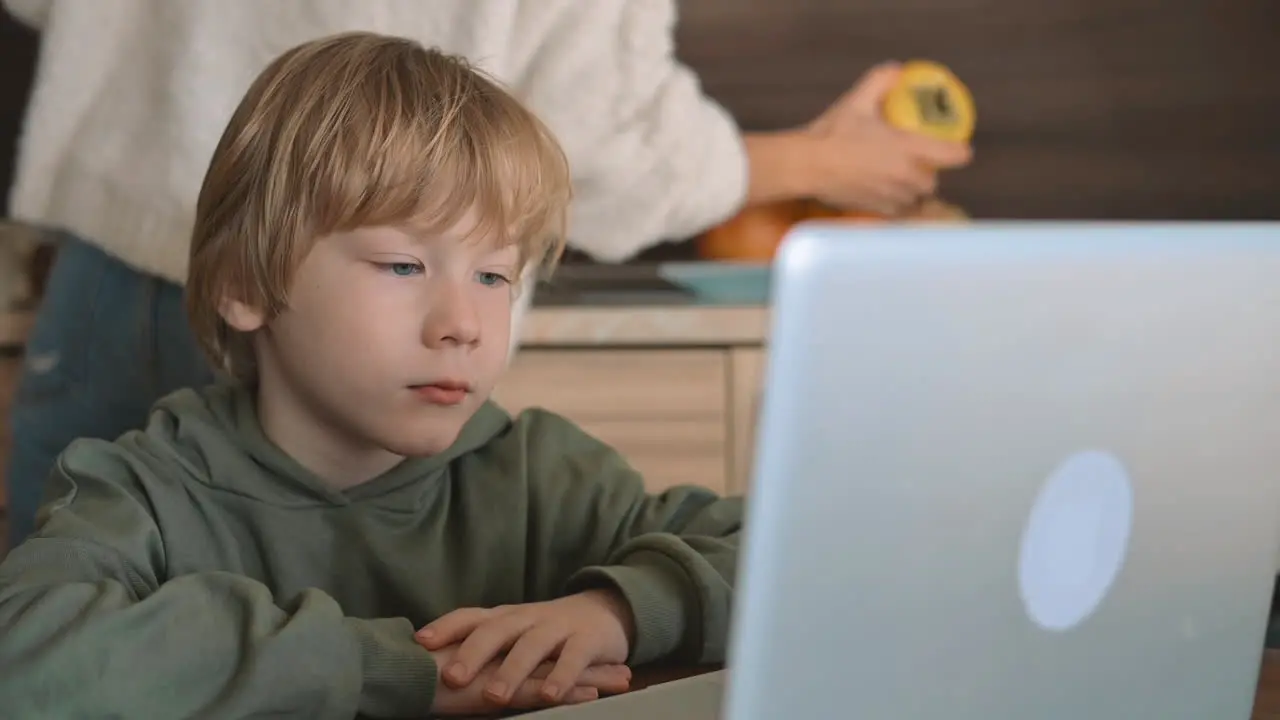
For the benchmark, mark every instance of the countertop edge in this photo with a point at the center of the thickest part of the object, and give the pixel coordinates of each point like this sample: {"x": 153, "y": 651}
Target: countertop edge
{"x": 695, "y": 325}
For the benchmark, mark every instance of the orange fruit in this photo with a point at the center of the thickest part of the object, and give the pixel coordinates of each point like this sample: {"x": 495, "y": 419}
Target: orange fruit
{"x": 753, "y": 234}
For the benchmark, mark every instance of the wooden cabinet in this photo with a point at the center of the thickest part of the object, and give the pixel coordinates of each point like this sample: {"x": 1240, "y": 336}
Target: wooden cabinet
{"x": 675, "y": 390}
{"x": 665, "y": 410}
{"x": 679, "y": 415}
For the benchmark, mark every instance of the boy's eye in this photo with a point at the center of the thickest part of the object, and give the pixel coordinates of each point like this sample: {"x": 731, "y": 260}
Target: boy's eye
{"x": 492, "y": 279}
{"x": 403, "y": 269}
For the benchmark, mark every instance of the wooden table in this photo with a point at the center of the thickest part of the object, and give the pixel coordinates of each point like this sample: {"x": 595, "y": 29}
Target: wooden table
{"x": 1266, "y": 706}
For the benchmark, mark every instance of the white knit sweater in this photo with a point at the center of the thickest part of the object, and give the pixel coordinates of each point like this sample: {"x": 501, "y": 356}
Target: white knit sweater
{"x": 132, "y": 95}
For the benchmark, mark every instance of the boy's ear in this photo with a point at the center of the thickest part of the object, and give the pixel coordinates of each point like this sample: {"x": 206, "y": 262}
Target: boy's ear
{"x": 240, "y": 315}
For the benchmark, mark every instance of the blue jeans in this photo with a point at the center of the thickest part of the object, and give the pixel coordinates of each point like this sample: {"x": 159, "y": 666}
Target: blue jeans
{"x": 108, "y": 342}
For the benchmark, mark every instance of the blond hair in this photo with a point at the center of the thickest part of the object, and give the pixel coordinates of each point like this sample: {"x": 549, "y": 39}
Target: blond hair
{"x": 359, "y": 130}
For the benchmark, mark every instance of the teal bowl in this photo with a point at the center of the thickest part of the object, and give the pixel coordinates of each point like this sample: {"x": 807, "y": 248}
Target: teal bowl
{"x": 721, "y": 283}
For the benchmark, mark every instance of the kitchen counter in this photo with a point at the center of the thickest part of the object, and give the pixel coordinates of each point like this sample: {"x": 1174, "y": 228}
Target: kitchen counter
{"x": 670, "y": 304}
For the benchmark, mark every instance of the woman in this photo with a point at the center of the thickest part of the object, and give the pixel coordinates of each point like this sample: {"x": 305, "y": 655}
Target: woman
{"x": 130, "y": 97}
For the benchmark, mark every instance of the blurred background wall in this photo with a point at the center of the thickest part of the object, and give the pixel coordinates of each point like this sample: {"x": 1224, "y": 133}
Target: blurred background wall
{"x": 1087, "y": 108}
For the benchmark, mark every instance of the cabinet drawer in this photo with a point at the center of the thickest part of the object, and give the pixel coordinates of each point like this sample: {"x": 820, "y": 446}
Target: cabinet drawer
{"x": 671, "y": 452}
{"x": 664, "y": 410}
{"x": 618, "y": 384}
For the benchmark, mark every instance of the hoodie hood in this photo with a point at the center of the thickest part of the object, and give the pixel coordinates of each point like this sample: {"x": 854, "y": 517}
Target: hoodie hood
{"x": 214, "y": 436}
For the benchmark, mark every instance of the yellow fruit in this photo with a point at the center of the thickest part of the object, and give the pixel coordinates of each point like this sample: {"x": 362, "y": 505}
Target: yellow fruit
{"x": 930, "y": 100}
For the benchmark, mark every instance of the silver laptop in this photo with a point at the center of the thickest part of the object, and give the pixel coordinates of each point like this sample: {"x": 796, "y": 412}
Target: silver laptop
{"x": 1011, "y": 471}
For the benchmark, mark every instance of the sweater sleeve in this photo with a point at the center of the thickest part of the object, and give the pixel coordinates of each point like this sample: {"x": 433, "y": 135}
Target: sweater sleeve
{"x": 93, "y": 627}
{"x": 32, "y": 13}
{"x": 672, "y": 555}
{"x": 653, "y": 157}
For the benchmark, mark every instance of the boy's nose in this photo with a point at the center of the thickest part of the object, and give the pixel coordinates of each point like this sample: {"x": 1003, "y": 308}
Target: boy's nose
{"x": 452, "y": 319}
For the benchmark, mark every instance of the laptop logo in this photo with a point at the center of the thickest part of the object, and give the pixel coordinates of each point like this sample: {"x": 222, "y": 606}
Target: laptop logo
{"x": 1075, "y": 540}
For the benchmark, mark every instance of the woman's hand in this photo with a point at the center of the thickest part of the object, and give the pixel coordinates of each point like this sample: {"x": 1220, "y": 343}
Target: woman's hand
{"x": 849, "y": 157}
{"x": 868, "y": 165}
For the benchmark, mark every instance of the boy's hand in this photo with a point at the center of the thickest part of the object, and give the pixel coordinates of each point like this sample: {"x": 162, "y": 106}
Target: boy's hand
{"x": 590, "y": 628}
{"x": 473, "y": 700}
{"x": 868, "y": 165}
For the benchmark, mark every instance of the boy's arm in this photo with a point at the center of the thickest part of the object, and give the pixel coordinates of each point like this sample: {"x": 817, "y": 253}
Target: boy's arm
{"x": 32, "y": 13}
{"x": 92, "y": 626}
{"x": 673, "y": 555}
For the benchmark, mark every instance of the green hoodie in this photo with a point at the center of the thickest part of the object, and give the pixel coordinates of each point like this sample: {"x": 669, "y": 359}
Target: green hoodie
{"x": 194, "y": 570}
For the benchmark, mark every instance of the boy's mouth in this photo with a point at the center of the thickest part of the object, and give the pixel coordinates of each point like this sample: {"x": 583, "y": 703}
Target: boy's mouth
{"x": 443, "y": 392}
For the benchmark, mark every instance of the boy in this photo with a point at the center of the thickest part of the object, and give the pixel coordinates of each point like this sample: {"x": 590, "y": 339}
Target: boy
{"x": 351, "y": 528}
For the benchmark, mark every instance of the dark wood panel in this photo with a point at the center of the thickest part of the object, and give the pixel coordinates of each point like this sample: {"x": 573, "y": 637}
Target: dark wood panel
{"x": 1087, "y": 108}
{"x": 17, "y": 65}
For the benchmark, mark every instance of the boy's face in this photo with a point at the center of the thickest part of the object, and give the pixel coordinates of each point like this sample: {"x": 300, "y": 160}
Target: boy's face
{"x": 390, "y": 342}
